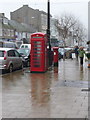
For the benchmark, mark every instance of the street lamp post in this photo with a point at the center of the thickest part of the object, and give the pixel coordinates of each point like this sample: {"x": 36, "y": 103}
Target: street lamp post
{"x": 48, "y": 34}
{"x": 48, "y": 24}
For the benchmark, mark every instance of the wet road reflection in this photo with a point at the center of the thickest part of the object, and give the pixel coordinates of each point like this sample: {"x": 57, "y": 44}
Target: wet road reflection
{"x": 40, "y": 88}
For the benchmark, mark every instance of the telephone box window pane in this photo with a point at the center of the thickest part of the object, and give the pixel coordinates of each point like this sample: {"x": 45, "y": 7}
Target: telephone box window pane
{"x": 37, "y": 45}
{"x": 36, "y": 65}
{"x": 37, "y": 49}
{"x": 37, "y": 52}
{"x": 37, "y": 62}
{"x": 37, "y": 58}
{"x": 37, "y": 42}
{"x": 36, "y": 55}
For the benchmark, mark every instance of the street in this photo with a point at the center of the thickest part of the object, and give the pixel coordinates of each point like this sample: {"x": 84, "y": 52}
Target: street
{"x": 57, "y": 93}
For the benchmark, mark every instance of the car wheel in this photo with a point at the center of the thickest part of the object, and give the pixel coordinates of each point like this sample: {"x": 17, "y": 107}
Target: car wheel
{"x": 11, "y": 68}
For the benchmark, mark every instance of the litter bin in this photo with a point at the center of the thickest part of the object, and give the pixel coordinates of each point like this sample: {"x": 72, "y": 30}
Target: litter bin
{"x": 55, "y": 56}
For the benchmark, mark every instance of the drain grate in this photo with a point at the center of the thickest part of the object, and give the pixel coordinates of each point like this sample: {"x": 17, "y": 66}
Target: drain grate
{"x": 88, "y": 90}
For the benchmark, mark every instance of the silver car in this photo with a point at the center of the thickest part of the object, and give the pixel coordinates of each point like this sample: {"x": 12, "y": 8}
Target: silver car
{"x": 10, "y": 59}
{"x": 6, "y": 44}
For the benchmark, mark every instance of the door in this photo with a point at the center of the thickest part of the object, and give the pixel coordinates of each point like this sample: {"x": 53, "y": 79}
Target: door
{"x": 37, "y": 55}
{"x": 18, "y": 59}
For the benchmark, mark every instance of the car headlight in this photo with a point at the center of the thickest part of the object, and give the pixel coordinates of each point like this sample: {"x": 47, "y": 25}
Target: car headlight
{"x": 26, "y": 57}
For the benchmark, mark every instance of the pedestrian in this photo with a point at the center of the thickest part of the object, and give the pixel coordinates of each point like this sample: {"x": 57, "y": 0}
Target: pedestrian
{"x": 81, "y": 55}
{"x": 76, "y": 51}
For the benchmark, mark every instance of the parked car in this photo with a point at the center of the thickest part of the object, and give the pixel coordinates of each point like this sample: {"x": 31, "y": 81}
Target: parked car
{"x": 25, "y": 53}
{"x": 10, "y": 59}
{"x": 25, "y": 46}
{"x": 6, "y": 44}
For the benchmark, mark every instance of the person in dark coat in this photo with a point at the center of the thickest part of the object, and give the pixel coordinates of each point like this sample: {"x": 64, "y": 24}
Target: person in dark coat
{"x": 76, "y": 51}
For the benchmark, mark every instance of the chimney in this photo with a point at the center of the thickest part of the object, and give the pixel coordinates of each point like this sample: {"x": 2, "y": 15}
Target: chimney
{"x": 25, "y": 5}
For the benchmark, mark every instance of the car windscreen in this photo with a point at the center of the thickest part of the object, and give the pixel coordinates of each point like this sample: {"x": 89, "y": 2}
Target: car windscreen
{"x": 24, "y": 51}
{"x": 1, "y": 53}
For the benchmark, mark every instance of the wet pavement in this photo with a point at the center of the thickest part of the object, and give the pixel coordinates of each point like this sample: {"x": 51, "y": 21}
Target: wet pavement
{"x": 54, "y": 94}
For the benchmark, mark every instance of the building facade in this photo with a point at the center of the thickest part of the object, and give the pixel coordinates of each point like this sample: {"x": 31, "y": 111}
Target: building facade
{"x": 11, "y": 30}
{"x": 31, "y": 17}
{"x": 6, "y": 30}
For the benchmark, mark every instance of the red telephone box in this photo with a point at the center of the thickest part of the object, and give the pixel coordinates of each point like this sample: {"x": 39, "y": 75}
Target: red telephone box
{"x": 38, "y": 52}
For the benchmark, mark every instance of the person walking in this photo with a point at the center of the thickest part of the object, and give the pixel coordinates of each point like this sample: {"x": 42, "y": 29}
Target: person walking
{"x": 81, "y": 55}
{"x": 76, "y": 51}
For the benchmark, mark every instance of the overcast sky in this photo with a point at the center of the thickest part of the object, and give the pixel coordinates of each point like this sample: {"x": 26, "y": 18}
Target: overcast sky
{"x": 79, "y": 8}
